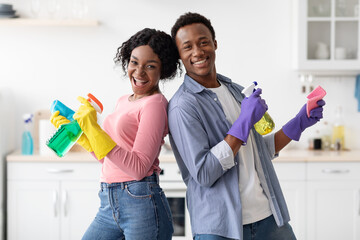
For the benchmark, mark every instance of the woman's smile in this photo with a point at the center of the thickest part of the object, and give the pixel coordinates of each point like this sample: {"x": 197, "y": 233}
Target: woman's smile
{"x": 139, "y": 82}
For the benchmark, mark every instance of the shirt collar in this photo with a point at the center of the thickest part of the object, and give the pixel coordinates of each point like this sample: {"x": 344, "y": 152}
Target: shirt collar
{"x": 196, "y": 87}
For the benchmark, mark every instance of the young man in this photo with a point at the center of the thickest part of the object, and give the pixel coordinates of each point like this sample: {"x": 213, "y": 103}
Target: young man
{"x": 232, "y": 188}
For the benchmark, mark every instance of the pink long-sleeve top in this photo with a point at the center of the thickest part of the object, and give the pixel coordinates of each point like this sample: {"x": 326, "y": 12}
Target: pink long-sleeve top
{"x": 138, "y": 128}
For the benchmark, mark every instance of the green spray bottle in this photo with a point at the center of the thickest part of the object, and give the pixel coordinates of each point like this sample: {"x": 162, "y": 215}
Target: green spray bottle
{"x": 67, "y": 134}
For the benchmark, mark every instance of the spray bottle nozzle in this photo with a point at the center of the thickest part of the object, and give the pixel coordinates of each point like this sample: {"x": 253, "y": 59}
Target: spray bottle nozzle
{"x": 249, "y": 89}
{"x": 95, "y": 103}
{"x": 27, "y": 117}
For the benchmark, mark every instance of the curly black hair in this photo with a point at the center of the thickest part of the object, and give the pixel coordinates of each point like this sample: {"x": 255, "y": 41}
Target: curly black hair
{"x": 190, "y": 18}
{"x": 162, "y": 45}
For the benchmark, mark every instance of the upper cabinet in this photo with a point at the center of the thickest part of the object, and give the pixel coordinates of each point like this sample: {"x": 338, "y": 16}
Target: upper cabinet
{"x": 328, "y": 36}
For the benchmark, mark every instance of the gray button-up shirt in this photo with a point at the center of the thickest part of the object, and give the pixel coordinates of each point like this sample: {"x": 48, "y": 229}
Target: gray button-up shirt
{"x": 197, "y": 123}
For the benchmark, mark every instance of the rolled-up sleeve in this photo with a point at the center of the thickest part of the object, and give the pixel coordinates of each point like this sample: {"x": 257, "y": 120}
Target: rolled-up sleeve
{"x": 270, "y": 144}
{"x": 223, "y": 152}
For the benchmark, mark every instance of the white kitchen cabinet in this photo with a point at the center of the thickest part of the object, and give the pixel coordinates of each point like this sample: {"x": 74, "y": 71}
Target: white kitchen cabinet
{"x": 323, "y": 198}
{"x": 333, "y": 198}
{"x": 292, "y": 177}
{"x": 327, "y": 38}
{"x": 54, "y": 201}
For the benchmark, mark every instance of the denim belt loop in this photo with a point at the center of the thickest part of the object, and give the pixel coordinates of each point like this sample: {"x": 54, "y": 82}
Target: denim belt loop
{"x": 103, "y": 186}
{"x": 152, "y": 178}
{"x": 157, "y": 178}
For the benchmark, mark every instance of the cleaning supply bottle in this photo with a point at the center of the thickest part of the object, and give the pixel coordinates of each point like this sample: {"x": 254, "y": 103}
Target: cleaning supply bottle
{"x": 27, "y": 147}
{"x": 67, "y": 134}
{"x": 338, "y": 133}
{"x": 265, "y": 125}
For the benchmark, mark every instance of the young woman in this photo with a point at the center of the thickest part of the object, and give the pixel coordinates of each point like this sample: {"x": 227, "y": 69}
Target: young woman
{"x": 133, "y": 206}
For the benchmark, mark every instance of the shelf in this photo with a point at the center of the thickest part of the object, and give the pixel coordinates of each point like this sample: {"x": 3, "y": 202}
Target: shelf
{"x": 319, "y": 19}
{"x": 328, "y": 73}
{"x": 49, "y": 22}
{"x": 328, "y": 19}
{"x": 346, "y": 19}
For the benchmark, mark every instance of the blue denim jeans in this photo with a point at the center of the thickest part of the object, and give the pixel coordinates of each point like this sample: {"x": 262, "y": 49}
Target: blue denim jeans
{"x": 268, "y": 229}
{"x": 135, "y": 210}
{"x": 265, "y": 229}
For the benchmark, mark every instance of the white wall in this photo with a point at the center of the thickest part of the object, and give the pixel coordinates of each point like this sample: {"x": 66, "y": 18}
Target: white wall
{"x": 40, "y": 64}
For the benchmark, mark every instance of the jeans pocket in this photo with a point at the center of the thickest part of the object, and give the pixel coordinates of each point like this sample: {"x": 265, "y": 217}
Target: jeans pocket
{"x": 138, "y": 190}
{"x": 104, "y": 197}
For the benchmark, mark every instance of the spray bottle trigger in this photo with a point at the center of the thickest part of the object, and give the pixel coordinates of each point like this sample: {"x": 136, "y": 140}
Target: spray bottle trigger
{"x": 95, "y": 103}
{"x": 249, "y": 89}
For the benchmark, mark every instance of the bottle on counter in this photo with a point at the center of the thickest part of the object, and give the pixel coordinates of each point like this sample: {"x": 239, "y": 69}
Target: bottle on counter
{"x": 338, "y": 133}
{"x": 27, "y": 144}
{"x": 326, "y": 135}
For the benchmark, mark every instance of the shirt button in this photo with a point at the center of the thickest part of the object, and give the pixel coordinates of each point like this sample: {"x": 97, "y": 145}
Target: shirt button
{"x": 215, "y": 99}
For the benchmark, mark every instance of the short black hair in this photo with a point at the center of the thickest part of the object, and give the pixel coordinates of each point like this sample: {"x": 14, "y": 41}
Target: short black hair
{"x": 190, "y": 18}
{"x": 162, "y": 45}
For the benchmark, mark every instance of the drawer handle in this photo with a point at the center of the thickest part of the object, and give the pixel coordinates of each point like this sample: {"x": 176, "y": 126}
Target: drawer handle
{"x": 359, "y": 202}
{"x": 335, "y": 171}
{"x": 55, "y": 199}
{"x": 65, "y": 200}
{"x": 53, "y": 170}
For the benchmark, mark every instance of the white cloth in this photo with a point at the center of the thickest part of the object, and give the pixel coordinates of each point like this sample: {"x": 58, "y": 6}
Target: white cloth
{"x": 255, "y": 205}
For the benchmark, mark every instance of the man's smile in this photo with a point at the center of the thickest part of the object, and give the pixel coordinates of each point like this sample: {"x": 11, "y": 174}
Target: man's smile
{"x": 199, "y": 62}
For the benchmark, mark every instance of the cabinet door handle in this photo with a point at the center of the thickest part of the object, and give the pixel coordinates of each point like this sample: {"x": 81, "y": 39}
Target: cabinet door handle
{"x": 55, "y": 199}
{"x": 359, "y": 203}
{"x": 65, "y": 198}
{"x": 335, "y": 171}
{"x": 54, "y": 170}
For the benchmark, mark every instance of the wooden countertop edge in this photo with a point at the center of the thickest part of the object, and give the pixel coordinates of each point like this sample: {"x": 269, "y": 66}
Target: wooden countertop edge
{"x": 285, "y": 156}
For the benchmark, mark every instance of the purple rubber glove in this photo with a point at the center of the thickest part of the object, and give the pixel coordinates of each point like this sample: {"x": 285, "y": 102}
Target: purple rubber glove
{"x": 301, "y": 121}
{"x": 252, "y": 110}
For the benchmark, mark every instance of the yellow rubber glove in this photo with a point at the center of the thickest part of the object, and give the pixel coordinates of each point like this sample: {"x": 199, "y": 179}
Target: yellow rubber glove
{"x": 58, "y": 120}
{"x": 100, "y": 141}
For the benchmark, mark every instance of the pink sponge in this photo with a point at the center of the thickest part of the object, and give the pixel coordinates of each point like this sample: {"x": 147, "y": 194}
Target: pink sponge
{"x": 317, "y": 94}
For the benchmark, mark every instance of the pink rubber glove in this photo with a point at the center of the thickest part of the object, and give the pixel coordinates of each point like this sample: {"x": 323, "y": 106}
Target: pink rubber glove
{"x": 301, "y": 121}
{"x": 252, "y": 110}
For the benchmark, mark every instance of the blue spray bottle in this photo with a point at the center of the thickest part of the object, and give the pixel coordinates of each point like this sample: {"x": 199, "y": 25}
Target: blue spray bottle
{"x": 27, "y": 147}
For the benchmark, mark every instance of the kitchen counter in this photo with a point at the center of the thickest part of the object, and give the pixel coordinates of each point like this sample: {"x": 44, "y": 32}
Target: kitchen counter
{"x": 70, "y": 157}
{"x": 318, "y": 156}
{"x": 284, "y": 156}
